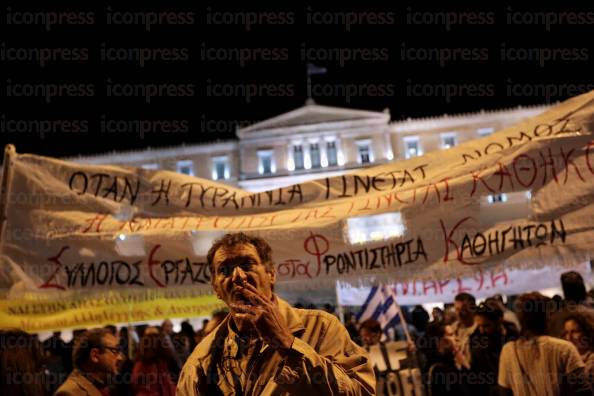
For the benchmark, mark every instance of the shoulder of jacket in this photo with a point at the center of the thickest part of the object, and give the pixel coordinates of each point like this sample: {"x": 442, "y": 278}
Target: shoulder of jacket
{"x": 202, "y": 350}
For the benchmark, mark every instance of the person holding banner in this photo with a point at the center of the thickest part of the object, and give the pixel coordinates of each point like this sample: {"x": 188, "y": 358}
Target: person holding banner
{"x": 264, "y": 346}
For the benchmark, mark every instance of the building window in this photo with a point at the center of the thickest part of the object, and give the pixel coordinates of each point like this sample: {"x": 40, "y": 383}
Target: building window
{"x": 375, "y": 228}
{"x": 496, "y": 198}
{"x": 298, "y": 156}
{"x": 220, "y": 168}
{"x": 314, "y": 152}
{"x": 485, "y": 131}
{"x": 331, "y": 153}
{"x": 448, "y": 140}
{"x": 266, "y": 164}
{"x": 185, "y": 167}
{"x": 365, "y": 152}
{"x": 412, "y": 146}
{"x": 152, "y": 166}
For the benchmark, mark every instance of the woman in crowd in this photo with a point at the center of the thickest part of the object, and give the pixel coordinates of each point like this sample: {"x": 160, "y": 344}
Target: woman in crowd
{"x": 21, "y": 364}
{"x": 151, "y": 375}
{"x": 578, "y": 328}
{"x": 537, "y": 364}
{"x": 443, "y": 360}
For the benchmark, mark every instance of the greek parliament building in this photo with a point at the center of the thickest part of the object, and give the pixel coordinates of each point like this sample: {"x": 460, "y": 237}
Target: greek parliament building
{"x": 316, "y": 141}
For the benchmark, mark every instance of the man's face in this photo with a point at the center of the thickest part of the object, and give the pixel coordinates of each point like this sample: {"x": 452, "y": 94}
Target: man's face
{"x": 369, "y": 338}
{"x": 110, "y": 359}
{"x": 485, "y": 325}
{"x": 462, "y": 309}
{"x": 232, "y": 266}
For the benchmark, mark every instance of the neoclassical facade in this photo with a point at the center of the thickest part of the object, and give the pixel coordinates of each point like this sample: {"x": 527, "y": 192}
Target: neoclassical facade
{"x": 315, "y": 141}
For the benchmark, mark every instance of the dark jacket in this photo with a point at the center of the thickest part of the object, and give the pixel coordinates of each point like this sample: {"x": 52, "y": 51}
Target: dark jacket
{"x": 484, "y": 354}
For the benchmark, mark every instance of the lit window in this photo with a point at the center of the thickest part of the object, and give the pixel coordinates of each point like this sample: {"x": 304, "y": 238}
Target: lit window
{"x": 485, "y": 131}
{"x": 365, "y": 152}
{"x": 375, "y": 228}
{"x": 298, "y": 156}
{"x": 331, "y": 153}
{"x": 314, "y": 152}
{"x": 220, "y": 168}
{"x": 496, "y": 198}
{"x": 266, "y": 164}
{"x": 185, "y": 167}
{"x": 448, "y": 140}
{"x": 412, "y": 146}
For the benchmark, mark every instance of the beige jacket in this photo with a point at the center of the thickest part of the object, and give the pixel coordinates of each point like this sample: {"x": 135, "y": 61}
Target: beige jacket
{"x": 77, "y": 385}
{"x": 323, "y": 361}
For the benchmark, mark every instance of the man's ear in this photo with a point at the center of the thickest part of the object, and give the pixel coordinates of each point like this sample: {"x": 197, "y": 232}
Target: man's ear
{"x": 94, "y": 355}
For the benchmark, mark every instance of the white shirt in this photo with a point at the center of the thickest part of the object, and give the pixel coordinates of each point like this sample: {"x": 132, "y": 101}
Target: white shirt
{"x": 532, "y": 367}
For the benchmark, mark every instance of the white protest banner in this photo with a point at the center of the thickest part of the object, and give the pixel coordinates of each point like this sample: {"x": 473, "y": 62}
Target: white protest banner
{"x": 74, "y": 231}
{"x": 483, "y": 284}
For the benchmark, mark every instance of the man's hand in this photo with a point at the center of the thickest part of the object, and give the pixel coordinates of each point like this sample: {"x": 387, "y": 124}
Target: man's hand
{"x": 265, "y": 317}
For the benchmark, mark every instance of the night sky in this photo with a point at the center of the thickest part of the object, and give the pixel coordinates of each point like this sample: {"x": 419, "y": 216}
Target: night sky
{"x": 96, "y": 79}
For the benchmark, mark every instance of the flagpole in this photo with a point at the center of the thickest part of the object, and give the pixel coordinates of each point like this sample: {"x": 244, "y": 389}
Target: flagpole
{"x": 406, "y": 334}
{"x": 339, "y": 305}
{"x": 9, "y": 153}
{"x": 308, "y": 82}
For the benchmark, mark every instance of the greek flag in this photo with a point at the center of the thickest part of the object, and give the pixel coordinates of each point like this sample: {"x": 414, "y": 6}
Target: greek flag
{"x": 381, "y": 305}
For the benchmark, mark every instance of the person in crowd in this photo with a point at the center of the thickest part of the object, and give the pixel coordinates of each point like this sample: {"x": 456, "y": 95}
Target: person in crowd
{"x": 508, "y": 315}
{"x": 188, "y": 330}
{"x": 151, "y": 375}
{"x": 398, "y": 332}
{"x": 21, "y": 365}
{"x": 112, "y": 329}
{"x": 465, "y": 305}
{"x": 76, "y": 333}
{"x": 486, "y": 342}
{"x": 96, "y": 358}
{"x": 537, "y": 364}
{"x": 437, "y": 315}
{"x": 442, "y": 357}
{"x": 578, "y": 328}
{"x": 55, "y": 351}
{"x": 574, "y": 289}
{"x": 181, "y": 343}
{"x": 350, "y": 323}
{"x": 449, "y": 314}
{"x": 201, "y": 333}
{"x": 174, "y": 360}
{"x": 265, "y": 346}
{"x": 370, "y": 332}
{"x": 420, "y": 318}
{"x": 128, "y": 347}
{"x": 575, "y": 298}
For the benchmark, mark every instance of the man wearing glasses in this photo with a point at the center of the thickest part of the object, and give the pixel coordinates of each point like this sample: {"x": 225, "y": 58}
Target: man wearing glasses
{"x": 264, "y": 346}
{"x": 96, "y": 358}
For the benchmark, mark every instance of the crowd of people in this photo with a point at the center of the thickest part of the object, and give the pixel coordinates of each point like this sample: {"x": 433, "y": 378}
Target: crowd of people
{"x": 138, "y": 360}
{"x": 542, "y": 346}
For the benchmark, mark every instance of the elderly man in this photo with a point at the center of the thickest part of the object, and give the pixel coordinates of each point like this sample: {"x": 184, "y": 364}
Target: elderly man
{"x": 264, "y": 346}
{"x": 96, "y": 358}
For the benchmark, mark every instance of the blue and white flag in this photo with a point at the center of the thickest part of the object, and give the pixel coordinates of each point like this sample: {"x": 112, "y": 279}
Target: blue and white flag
{"x": 381, "y": 305}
